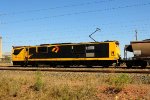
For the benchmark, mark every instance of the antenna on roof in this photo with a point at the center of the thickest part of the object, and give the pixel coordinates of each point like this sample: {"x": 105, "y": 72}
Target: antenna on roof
{"x": 136, "y": 35}
{"x": 97, "y": 29}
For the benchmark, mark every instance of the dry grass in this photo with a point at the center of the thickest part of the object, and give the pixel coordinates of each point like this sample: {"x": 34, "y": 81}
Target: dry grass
{"x": 15, "y": 85}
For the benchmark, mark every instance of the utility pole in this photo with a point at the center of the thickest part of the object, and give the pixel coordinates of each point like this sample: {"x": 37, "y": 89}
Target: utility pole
{"x": 136, "y": 33}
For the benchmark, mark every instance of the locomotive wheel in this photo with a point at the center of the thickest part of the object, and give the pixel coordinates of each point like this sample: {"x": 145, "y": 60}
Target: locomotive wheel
{"x": 22, "y": 65}
{"x": 129, "y": 65}
{"x": 52, "y": 65}
{"x": 66, "y": 66}
{"x": 26, "y": 65}
{"x": 34, "y": 65}
{"x": 143, "y": 64}
{"x": 89, "y": 66}
{"x": 105, "y": 66}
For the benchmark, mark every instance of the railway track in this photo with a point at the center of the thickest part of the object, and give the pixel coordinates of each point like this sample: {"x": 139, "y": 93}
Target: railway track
{"x": 86, "y": 70}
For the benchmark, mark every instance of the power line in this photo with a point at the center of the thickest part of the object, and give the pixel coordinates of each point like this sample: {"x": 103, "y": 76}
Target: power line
{"x": 119, "y": 30}
{"x": 67, "y": 37}
{"x": 29, "y": 41}
{"x": 110, "y": 25}
{"x": 58, "y": 7}
{"x": 102, "y": 34}
{"x": 77, "y": 13}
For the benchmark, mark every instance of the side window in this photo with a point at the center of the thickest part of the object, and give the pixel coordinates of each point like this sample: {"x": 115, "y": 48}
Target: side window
{"x": 90, "y": 47}
{"x": 90, "y": 51}
{"x": 17, "y": 51}
{"x": 42, "y": 49}
{"x": 78, "y": 49}
{"x": 32, "y": 50}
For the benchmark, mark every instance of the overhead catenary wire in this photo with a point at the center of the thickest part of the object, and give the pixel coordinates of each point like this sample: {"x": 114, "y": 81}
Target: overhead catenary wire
{"x": 124, "y": 28}
{"x": 76, "y": 13}
{"x": 114, "y": 35}
{"x": 86, "y": 35}
{"x": 110, "y": 25}
{"x": 58, "y": 7}
{"x": 67, "y": 30}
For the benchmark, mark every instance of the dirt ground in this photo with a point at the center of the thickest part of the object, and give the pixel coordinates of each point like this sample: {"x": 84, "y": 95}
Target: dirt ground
{"x": 18, "y": 85}
{"x": 130, "y": 92}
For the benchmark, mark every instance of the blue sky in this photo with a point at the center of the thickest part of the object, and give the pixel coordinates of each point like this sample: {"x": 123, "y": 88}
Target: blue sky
{"x": 34, "y": 22}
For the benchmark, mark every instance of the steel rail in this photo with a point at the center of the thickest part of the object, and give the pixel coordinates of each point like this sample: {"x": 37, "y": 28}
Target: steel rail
{"x": 147, "y": 71}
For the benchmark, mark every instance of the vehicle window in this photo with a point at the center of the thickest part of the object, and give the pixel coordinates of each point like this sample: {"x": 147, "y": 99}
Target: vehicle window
{"x": 79, "y": 49}
{"x": 90, "y": 48}
{"x": 42, "y": 49}
{"x": 32, "y": 50}
{"x": 17, "y": 51}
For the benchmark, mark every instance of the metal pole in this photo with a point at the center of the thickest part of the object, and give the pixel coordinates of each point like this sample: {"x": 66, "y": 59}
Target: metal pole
{"x": 97, "y": 29}
{"x": 136, "y": 33}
